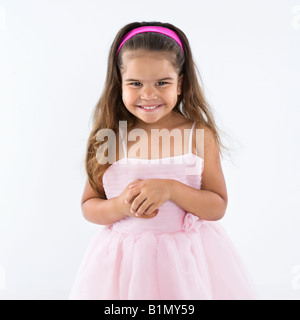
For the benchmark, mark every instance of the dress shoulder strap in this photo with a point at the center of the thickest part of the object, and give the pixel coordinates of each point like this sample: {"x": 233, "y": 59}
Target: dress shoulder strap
{"x": 191, "y": 137}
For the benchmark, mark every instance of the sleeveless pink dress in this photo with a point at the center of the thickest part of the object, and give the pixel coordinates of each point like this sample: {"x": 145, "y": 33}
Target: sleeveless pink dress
{"x": 174, "y": 255}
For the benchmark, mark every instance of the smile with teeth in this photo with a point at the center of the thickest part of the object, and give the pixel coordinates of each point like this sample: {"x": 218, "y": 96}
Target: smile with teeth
{"x": 149, "y": 108}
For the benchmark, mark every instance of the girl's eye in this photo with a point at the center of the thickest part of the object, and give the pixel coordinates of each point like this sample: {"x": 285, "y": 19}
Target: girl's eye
{"x": 136, "y": 84}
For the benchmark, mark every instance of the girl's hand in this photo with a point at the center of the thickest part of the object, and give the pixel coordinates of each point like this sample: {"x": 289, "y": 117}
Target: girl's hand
{"x": 125, "y": 207}
{"x": 147, "y": 195}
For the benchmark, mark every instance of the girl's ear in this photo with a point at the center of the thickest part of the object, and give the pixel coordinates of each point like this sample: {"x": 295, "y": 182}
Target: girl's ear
{"x": 179, "y": 87}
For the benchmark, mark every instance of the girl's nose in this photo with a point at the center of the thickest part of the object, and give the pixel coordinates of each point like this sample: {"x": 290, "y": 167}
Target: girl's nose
{"x": 149, "y": 94}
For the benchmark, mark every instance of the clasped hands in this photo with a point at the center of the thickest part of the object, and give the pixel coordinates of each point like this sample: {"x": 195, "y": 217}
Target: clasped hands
{"x": 147, "y": 195}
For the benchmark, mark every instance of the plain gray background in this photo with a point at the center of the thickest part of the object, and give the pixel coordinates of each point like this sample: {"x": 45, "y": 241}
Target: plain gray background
{"x": 53, "y": 57}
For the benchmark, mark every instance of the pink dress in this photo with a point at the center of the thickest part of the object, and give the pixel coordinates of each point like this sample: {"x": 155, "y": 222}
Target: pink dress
{"x": 174, "y": 255}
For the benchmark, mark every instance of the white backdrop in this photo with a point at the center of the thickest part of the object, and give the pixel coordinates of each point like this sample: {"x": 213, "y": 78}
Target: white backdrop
{"x": 52, "y": 70}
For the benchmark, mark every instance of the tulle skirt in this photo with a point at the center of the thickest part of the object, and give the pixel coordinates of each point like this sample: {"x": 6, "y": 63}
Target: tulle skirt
{"x": 198, "y": 263}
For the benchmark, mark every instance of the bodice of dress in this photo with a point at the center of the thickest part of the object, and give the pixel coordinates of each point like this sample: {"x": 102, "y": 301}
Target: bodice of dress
{"x": 186, "y": 168}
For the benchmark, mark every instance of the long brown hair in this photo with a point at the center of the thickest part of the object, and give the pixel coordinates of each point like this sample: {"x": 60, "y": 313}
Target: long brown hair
{"x": 110, "y": 108}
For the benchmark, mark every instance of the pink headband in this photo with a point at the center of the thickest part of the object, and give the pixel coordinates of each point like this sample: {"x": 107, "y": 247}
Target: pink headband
{"x": 166, "y": 31}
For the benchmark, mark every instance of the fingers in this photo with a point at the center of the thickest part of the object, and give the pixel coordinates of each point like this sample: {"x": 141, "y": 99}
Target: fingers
{"x": 142, "y": 205}
{"x": 131, "y": 194}
{"x": 145, "y": 208}
{"x": 138, "y": 203}
{"x": 134, "y": 183}
{"x": 131, "y": 185}
{"x": 149, "y": 216}
{"x": 150, "y": 209}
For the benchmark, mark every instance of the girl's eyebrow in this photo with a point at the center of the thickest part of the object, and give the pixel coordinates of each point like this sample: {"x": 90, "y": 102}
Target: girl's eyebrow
{"x": 156, "y": 80}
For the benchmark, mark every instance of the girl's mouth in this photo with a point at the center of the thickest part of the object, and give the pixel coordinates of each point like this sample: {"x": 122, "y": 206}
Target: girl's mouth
{"x": 150, "y": 108}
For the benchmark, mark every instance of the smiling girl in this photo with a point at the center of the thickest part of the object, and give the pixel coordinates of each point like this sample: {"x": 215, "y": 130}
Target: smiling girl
{"x": 161, "y": 238}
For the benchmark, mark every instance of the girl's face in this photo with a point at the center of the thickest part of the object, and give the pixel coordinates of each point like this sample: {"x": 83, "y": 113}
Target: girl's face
{"x": 150, "y": 80}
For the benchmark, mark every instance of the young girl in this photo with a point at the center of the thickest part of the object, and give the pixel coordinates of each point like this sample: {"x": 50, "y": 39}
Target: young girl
{"x": 161, "y": 239}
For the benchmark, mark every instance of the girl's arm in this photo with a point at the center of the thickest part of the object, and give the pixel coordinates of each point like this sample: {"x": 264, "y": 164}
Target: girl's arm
{"x": 210, "y": 202}
{"x": 97, "y": 210}
{"x": 107, "y": 211}
{"x": 205, "y": 204}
